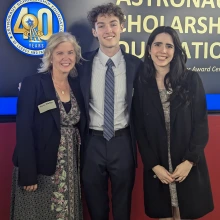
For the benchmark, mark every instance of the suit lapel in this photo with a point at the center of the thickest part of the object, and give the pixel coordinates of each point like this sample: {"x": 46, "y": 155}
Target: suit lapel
{"x": 74, "y": 85}
{"x": 155, "y": 97}
{"x": 50, "y": 94}
{"x": 174, "y": 108}
{"x": 85, "y": 73}
{"x": 130, "y": 75}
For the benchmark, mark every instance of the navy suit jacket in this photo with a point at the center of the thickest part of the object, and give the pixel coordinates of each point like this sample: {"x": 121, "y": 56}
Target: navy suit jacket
{"x": 85, "y": 73}
{"x": 38, "y": 134}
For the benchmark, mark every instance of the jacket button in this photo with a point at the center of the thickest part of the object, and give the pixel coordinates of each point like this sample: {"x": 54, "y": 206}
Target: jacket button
{"x": 154, "y": 176}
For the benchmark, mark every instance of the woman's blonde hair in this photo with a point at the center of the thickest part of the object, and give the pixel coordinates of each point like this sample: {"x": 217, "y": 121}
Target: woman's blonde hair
{"x": 52, "y": 43}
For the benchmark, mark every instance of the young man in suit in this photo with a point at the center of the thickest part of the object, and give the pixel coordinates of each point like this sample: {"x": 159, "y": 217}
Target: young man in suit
{"x": 106, "y": 78}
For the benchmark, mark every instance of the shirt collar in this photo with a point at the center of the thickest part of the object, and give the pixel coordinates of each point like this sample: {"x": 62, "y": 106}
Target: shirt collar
{"x": 104, "y": 58}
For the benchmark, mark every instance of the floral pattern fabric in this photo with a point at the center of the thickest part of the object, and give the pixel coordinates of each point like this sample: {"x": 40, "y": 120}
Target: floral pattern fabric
{"x": 58, "y": 197}
{"x": 164, "y": 96}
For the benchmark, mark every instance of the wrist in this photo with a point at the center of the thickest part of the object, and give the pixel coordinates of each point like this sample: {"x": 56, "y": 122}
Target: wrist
{"x": 189, "y": 162}
{"x": 155, "y": 167}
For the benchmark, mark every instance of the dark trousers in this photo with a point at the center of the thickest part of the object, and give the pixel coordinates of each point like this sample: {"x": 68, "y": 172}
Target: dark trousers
{"x": 103, "y": 160}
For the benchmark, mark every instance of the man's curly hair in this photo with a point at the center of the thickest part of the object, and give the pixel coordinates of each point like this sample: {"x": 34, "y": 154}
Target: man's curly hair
{"x": 106, "y": 9}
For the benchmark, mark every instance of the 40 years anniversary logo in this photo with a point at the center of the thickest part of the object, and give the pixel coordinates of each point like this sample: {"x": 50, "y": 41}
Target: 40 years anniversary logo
{"x": 30, "y": 23}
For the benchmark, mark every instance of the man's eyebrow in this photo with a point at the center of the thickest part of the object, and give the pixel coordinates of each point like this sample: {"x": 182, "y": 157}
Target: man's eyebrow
{"x": 113, "y": 21}
{"x": 101, "y": 22}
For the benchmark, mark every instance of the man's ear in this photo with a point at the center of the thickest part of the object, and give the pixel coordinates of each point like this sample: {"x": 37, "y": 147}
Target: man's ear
{"x": 122, "y": 27}
{"x": 94, "y": 32}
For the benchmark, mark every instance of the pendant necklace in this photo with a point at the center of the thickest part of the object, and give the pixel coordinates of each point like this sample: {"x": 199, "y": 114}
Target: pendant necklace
{"x": 62, "y": 90}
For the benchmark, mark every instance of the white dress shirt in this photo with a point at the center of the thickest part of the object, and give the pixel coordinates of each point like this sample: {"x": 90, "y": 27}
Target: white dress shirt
{"x": 97, "y": 92}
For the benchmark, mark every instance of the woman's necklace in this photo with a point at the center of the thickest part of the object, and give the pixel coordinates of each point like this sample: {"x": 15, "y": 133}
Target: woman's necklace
{"x": 160, "y": 85}
{"x": 61, "y": 89}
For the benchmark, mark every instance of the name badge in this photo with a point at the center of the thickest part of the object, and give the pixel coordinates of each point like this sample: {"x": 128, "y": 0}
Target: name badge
{"x": 47, "y": 106}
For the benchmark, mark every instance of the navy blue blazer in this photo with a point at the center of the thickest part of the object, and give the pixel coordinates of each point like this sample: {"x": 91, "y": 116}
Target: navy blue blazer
{"x": 85, "y": 73}
{"x": 38, "y": 134}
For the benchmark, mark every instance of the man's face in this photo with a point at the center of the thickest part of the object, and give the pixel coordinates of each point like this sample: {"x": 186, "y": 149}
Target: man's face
{"x": 108, "y": 30}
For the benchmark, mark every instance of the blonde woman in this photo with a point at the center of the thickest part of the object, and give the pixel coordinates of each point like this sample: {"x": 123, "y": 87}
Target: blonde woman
{"x": 49, "y": 121}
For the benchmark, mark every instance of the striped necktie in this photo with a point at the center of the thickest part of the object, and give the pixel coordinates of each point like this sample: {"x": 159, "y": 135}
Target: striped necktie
{"x": 108, "y": 130}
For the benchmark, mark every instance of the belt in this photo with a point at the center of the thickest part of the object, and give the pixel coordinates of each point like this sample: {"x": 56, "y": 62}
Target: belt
{"x": 119, "y": 132}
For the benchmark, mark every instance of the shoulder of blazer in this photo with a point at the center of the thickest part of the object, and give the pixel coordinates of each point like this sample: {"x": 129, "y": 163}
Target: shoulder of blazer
{"x": 34, "y": 79}
{"x": 195, "y": 83}
{"x": 141, "y": 79}
{"x": 192, "y": 79}
{"x": 192, "y": 76}
{"x": 86, "y": 62}
{"x": 131, "y": 58}
{"x": 90, "y": 55}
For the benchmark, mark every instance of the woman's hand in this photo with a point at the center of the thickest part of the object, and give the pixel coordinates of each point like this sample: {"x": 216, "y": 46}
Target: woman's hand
{"x": 30, "y": 188}
{"x": 163, "y": 174}
{"x": 182, "y": 171}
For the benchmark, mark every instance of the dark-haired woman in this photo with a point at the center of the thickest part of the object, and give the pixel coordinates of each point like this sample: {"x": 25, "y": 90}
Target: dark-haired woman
{"x": 172, "y": 131}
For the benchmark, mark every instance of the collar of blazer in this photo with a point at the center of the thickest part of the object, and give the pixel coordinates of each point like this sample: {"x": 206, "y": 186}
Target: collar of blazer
{"x": 85, "y": 73}
{"x": 50, "y": 93}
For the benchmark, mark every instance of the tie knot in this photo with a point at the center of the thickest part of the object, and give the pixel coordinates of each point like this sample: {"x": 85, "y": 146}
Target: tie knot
{"x": 110, "y": 63}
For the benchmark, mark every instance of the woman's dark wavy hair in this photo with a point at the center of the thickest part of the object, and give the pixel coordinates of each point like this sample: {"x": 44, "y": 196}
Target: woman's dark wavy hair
{"x": 176, "y": 78}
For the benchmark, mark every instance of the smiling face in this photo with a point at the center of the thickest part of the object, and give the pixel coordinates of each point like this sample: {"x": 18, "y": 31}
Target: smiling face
{"x": 162, "y": 51}
{"x": 108, "y": 30}
{"x": 63, "y": 58}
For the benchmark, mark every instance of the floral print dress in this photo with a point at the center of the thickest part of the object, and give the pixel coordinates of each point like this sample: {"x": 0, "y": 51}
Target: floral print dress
{"x": 58, "y": 197}
{"x": 164, "y": 96}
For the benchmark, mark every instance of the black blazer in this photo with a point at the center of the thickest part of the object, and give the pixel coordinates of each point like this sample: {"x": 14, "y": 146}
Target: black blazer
{"x": 38, "y": 134}
{"x": 85, "y": 73}
{"x": 188, "y": 138}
